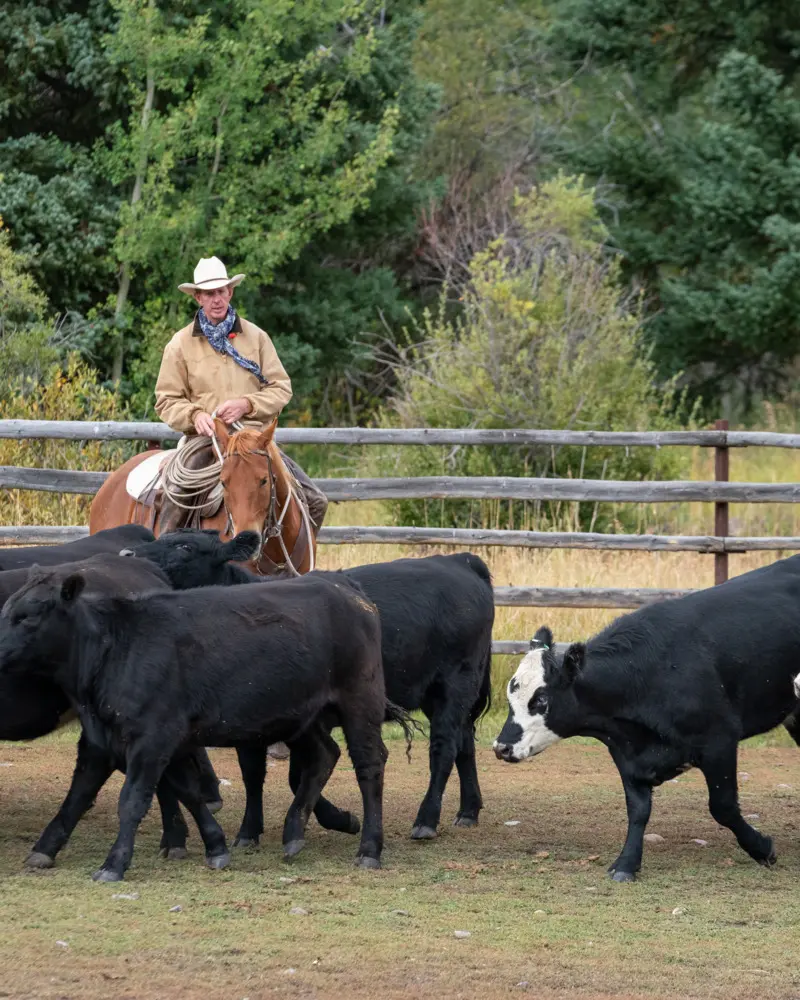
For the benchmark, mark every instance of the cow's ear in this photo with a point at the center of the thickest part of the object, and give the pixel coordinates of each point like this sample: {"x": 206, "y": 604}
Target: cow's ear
{"x": 245, "y": 547}
{"x": 543, "y": 638}
{"x": 573, "y": 661}
{"x": 72, "y": 587}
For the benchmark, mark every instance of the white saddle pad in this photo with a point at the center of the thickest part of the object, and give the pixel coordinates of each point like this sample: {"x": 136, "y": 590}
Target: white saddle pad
{"x": 143, "y": 475}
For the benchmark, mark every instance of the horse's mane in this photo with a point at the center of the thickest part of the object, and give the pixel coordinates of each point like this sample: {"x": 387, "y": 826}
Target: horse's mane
{"x": 245, "y": 443}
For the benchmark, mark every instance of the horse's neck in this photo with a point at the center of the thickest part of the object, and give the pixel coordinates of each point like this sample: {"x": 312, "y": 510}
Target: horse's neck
{"x": 283, "y": 480}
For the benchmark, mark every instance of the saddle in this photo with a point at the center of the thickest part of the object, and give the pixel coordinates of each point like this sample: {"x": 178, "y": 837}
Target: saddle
{"x": 180, "y": 487}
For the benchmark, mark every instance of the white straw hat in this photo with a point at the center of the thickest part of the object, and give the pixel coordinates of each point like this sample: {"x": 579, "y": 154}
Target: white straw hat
{"x": 209, "y": 274}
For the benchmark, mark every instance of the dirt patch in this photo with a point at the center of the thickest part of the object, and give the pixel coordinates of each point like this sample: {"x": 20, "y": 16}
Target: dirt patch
{"x": 543, "y": 919}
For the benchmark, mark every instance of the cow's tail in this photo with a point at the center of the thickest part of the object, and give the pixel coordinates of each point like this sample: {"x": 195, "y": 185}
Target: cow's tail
{"x": 404, "y": 719}
{"x": 484, "y": 700}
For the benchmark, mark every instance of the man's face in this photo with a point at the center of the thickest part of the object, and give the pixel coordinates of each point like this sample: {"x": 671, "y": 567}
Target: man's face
{"x": 215, "y": 303}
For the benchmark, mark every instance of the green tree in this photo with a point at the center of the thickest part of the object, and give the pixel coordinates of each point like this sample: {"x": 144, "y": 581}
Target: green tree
{"x": 694, "y": 130}
{"x": 545, "y": 340}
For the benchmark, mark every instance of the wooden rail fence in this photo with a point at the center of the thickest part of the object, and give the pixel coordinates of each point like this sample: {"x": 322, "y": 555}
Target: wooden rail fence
{"x": 720, "y": 492}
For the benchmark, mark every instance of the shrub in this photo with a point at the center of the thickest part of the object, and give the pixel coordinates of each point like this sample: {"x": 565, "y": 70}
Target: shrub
{"x": 546, "y": 339}
{"x": 71, "y": 392}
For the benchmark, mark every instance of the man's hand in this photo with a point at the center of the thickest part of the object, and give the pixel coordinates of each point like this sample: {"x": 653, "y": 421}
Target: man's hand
{"x": 233, "y": 410}
{"x": 203, "y": 424}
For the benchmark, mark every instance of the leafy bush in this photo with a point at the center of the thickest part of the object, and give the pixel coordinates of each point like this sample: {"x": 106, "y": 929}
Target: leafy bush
{"x": 71, "y": 392}
{"x": 545, "y": 339}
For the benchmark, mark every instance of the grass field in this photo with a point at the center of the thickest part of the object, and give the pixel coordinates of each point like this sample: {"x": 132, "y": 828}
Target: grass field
{"x": 702, "y": 922}
{"x": 544, "y": 920}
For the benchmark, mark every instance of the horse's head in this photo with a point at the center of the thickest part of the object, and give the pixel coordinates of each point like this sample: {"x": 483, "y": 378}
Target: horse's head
{"x": 250, "y": 466}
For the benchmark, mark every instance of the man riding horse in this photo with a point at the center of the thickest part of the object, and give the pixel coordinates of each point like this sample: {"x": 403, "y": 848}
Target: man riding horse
{"x": 223, "y": 366}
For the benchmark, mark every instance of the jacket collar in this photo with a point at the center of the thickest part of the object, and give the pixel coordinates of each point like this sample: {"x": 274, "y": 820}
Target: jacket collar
{"x": 197, "y": 332}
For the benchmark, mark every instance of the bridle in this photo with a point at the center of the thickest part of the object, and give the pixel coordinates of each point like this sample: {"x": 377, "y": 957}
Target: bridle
{"x": 273, "y": 522}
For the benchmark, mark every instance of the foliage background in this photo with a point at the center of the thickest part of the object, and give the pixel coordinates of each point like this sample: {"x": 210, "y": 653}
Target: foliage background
{"x": 370, "y": 166}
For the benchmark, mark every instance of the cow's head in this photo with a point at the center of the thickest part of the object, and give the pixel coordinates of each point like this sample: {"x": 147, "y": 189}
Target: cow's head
{"x": 538, "y": 684}
{"x": 35, "y": 623}
{"x": 197, "y": 558}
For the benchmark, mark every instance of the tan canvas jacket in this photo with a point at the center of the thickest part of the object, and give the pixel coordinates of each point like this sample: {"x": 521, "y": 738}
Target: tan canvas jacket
{"x": 194, "y": 377}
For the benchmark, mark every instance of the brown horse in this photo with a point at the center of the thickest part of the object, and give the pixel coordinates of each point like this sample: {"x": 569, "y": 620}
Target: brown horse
{"x": 259, "y": 495}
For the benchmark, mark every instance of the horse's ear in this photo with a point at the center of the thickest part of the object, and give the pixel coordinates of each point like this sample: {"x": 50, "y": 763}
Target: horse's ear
{"x": 221, "y": 431}
{"x": 265, "y": 437}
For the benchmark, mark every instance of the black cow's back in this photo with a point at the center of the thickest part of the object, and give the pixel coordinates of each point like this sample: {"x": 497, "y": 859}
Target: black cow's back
{"x": 737, "y": 644}
{"x": 110, "y": 540}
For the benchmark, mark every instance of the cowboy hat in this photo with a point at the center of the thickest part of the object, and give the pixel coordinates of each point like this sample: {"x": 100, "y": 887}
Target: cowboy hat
{"x": 209, "y": 274}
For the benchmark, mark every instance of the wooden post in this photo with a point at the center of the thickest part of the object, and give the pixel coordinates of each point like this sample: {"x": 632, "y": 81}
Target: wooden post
{"x": 721, "y": 475}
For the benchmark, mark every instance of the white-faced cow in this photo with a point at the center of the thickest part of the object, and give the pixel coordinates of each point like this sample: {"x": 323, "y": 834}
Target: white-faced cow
{"x": 673, "y": 685}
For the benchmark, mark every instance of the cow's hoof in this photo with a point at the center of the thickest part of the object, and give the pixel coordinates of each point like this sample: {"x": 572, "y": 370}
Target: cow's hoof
{"x": 362, "y": 861}
{"x": 293, "y": 848}
{"x": 618, "y": 876}
{"x": 423, "y": 833}
{"x": 351, "y": 824}
{"x": 246, "y": 842}
{"x": 173, "y": 853}
{"x": 218, "y": 860}
{"x": 771, "y": 858}
{"x": 106, "y": 875}
{"x": 465, "y": 821}
{"x": 38, "y": 860}
{"x": 215, "y": 806}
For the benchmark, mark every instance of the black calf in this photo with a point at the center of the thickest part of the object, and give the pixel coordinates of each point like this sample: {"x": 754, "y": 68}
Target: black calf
{"x": 159, "y": 674}
{"x": 436, "y": 626}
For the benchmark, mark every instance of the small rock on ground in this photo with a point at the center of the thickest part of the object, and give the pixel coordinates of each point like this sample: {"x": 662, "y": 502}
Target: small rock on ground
{"x": 699, "y": 842}
{"x": 298, "y": 911}
{"x": 511, "y": 822}
{"x": 176, "y": 909}
{"x": 462, "y": 934}
{"x": 653, "y": 838}
{"x": 679, "y": 911}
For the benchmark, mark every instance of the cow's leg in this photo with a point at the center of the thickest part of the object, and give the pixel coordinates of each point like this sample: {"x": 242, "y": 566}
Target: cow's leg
{"x": 253, "y": 765}
{"x": 368, "y": 754}
{"x": 183, "y": 780}
{"x": 792, "y": 724}
{"x": 719, "y": 770}
{"x": 638, "y": 800}
{"x": 209, "y": 782}
{"x": 471, "y": 801}
{"x": 93, "y": 767}
{"x": 174, "y": 830}
{"x": 142, "y": 776}
{"x": 317, "y": 760}
{"x": 329, "y": 816}
{"x": 445, "y": 742}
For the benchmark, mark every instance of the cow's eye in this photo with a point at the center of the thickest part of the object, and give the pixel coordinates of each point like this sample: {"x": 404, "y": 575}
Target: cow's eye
{"x": 538, "y": 703}
{"x": 184, "y": 548}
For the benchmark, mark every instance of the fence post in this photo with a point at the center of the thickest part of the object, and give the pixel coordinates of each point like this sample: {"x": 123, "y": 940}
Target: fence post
{"x": 721, "y": 473}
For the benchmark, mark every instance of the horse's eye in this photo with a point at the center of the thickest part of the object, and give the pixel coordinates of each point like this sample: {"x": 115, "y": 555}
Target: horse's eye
{"x": 223, "y": 484}
{"x": 265, "y": 480}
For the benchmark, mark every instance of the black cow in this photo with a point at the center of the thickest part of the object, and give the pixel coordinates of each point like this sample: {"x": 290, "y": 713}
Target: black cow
{"x": 111, "y": 540}
{"x": 159, "y": 674}
{"x": 436, "y": 626}
{"x": 31, "y": 707}
{"x": 671, "y": 686}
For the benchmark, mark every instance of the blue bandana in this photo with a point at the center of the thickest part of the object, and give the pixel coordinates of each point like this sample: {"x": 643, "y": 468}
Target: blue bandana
{"x": 217, "y": 336}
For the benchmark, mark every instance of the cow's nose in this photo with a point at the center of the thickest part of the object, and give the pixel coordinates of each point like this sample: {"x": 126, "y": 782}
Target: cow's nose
{"x": 502, "y": 751}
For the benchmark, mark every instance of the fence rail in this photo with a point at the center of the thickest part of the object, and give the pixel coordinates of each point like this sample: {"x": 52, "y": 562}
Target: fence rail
{"x": 111, "y": 430}
{"x": 464, "y": 488}
{"x": 471, "y": 538}
{"x": 720, "y": 492}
